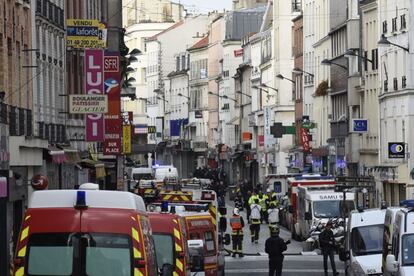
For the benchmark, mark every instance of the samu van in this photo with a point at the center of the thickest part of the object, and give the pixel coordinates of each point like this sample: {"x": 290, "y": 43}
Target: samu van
{"x": 85, "y": 232}
{"x": 400, "y": 258}
{"x": 364, "y": 242}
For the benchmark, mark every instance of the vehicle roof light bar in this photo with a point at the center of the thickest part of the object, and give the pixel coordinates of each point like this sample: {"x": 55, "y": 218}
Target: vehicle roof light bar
{"x": 81, "y": 200}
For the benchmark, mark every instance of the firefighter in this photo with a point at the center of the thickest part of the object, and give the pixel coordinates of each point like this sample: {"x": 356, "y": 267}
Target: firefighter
{"x": 255, "y": 217}
{"x": 273, "y": 216}
{"x": 253, "y": 197}
{"x": 237, "y": 224}
{"x": 263, "y": 204}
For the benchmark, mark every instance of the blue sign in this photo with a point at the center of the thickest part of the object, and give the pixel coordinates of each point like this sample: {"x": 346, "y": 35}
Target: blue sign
{"x": 359, "y": 125}
{"x": 396, "y": 150}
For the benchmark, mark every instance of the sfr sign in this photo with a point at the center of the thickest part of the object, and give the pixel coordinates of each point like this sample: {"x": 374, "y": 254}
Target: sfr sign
{"x": 111, "y": 64}
{"x": 94, "y": 85}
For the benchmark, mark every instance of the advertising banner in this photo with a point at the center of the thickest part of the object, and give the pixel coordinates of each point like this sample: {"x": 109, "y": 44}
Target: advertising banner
{"x": 126, "y": 139}
{"x": 94, "y": 85}
{"x": 113, "y": 120}
{"x": 87, "y": 104}
{"x": 269, "y": 140}
{"x": 85, "y": 33}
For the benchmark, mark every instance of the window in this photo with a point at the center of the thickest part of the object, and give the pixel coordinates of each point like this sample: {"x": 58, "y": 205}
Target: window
{"x": 403, "y": 22}
{"x": 395, "y": 84}
{"x": 366, "y": 60}
{"x": 331, "y": 208}
{"x": 394, "y": 24}
{"x": 408, "y": 250}
{"x": 296, "y": 5}
{"x": 367, "y": 240}
{"x": 183, "y": 63}
{"x": 374, "y": 58}
{"x": 209, "y": 241}
{"x": 386, "y": 86}
{"x": 384, "y": 27}
{"x": 164, "y": 249}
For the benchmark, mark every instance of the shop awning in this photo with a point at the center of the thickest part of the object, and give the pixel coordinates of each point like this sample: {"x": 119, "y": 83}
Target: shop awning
{"x": 58, "y": 155}
{"x": 235, "y": 121}
{"x": 98, "y": 166}
{"x": 72, "y": 155}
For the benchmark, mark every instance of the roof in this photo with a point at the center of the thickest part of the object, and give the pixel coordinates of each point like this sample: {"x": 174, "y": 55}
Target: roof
{"x": 94, "y": 199}
{"x": 162, "y": 222}
{"x": 179, "y": 23}
{"x": 367, "y": 217}
{"x": 200, "y": 44}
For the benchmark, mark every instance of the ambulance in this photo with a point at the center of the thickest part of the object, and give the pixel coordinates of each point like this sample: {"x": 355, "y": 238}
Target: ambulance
{"x": 85, "y": 232}
{"x": 400, "y": 259}
{"x": 170, "y": 238}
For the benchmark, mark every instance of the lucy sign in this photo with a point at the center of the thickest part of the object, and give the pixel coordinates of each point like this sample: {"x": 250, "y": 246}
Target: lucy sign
{"x": 94, "y": 85}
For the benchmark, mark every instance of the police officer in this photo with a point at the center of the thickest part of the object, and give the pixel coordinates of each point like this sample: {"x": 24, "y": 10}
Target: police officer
{"x": 255, "y": 217}
{"x": 275, "y": 246}
{"x": 237, "y": 224}
{"x": 327, "y": 242}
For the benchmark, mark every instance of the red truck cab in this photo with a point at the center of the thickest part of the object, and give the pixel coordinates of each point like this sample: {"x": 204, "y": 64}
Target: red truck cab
{"x": 170, "y": 240}
{"x": 85, "y": 232}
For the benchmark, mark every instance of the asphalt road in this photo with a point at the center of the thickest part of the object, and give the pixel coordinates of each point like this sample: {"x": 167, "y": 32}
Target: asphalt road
{"x": 292, "y": 265}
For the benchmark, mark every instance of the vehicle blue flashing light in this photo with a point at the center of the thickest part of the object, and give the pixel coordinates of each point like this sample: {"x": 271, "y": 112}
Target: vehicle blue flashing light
{"x": 80, "y": 200}
{"x": 407, "y": 203}
{"x": 164, "y": 206}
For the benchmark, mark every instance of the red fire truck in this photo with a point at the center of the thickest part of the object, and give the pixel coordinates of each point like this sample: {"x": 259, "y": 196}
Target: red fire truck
{"x": 85, "y": 232}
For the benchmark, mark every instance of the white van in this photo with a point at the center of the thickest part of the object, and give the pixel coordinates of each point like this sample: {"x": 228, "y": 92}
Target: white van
{"x": 162, "y": 172}
{"x": 144, "y": 173}
{"x": 364, "y": 242}
{"x": 400, "y": 258}
{"x": 319, "y": 204}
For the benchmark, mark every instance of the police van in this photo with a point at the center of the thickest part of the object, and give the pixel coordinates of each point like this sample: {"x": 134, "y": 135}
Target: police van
{"x": 399, "y": 259}
{"x": 364, "y": 242}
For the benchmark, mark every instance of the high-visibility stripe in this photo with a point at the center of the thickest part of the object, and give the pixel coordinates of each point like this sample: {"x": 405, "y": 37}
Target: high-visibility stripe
{"x": 137, "y": 272}
{"x": 175, "y": 221}
{"x": 211, "y": 266}
{"x": 135, "y": 234}
{"x": 179, "y": 264}
{"x": 166, "y": 197}
{"x": 175, "y": 274}
{"x": 185, "y": 198}
{"x": 133, "y": 218}
{"x": 27, "y": 217}
{"x": 137, "y": 254}
{"x": 22, "y": 252}
{"x": 25, "y": 233}
{"x": 178, "y": 248}
{"x": 176, "y": 233}
{"x": 19, "y": 272}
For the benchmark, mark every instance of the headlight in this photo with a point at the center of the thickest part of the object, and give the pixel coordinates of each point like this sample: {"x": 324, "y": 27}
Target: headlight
{"x": 357, "y": 269}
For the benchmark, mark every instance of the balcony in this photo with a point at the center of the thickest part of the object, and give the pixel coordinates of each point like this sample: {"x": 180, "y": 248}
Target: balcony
{"x": 26, "y": 4}
{"x": 19, "y": 2}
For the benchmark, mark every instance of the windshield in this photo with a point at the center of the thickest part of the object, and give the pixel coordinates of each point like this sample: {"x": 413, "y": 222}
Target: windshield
{"x": 144, "y": 176}
{"x": 79, "y": 254}
{"x": 332, "y": 208}
{"x": 367, "y": 240}
{"x": 408, "y": 250}
{"x": 164, "y": 249}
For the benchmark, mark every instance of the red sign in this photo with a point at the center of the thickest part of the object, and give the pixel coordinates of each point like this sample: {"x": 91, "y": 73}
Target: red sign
{"x": 304, "y": 138}
{"x": 39, "y": 182}
{"x": 261, "y": 141}
{"x": 247, "y": 136}
{"x": 238, "y": 53}
{"x": 113, "y": 121}
{"x": 94, "y": 85}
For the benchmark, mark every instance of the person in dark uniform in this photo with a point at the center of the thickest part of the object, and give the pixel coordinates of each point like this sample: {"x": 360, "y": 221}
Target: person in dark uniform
{"x": 327, "y": 242}
{"x": 275, "y": 246}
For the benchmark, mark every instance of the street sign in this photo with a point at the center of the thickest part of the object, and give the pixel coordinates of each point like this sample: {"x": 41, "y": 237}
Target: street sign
{"x": 277, "y": 130}
{"x": 359, "y": 125}
{"x": 126, "y": 139}
{"x": 88, "y": 104}
{"x": 396, "y": 150}
{"x": 308, "y": 125}
{"x": 85, "y": 34}
{"x": 358, "y": 179}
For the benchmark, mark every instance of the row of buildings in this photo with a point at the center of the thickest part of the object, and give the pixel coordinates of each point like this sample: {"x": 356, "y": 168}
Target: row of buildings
{"x": 277, "y": 87}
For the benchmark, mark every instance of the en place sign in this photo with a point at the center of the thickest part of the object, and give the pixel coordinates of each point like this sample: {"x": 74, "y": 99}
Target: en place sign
{"x": 88, "y": 104}
{"x": 85, "y": 33}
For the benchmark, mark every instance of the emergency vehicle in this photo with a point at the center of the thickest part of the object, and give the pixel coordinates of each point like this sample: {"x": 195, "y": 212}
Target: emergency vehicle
{"x": 389, "y": 221}
{"x": 199, "y": 208}
{"x": 85, "y": 232}
{"x": 293, "y": 183}
{"x": 170, "y": 239}
{"x": 278, "y": 183}
{"x": 364, "y": 242}
{"x": 400, "y": 258}
{"x": 319, "y": 204}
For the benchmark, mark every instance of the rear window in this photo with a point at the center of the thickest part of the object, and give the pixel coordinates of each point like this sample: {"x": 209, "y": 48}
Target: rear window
{"x": 79, "y": 254}
{"x": 209, "y": 240}
{"x": 164, "y": 249}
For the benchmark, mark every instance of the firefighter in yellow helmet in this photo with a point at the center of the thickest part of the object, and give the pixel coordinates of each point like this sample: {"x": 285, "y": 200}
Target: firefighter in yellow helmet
{"x": 237, "y": 224}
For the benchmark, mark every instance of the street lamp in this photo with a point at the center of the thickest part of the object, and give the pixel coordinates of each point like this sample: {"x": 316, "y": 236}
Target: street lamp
{"x": 280, "y": 76}
{"x": 184, "y": 96}
{"x": 211, "y": 93}
{"x": 247, "y": 95}
{"x": 350, "y": 52}
{"x": 228, "y": 98}
{"x": 160, "y": 98}
{"x": 297, "y": 70}
{"x": 386, "y": 43}
{"x": 267, "y": 86}
{"x": 330, "y": 62}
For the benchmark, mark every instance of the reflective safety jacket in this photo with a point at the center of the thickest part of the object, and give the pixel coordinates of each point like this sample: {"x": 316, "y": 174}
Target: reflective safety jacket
{"x": 252, "y": 199}
{"x": 262, "y": 202}
{"x": 237, "y": 224}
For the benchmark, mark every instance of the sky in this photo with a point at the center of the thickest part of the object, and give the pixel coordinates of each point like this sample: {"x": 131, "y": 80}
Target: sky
{"x": 204, "y": 6}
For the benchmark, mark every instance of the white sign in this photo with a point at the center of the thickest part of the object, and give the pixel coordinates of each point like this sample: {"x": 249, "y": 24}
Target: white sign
{"x": 88, "y": 104}
{"x": 331, "y": 197}
{"x": 269, "y": 139}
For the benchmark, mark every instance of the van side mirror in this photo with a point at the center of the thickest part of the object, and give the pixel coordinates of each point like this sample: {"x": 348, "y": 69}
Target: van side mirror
{"x": 223, "y": 210}
{"x": 226, "y": 239}
{"x": 391, "y": 264}
{"x": 223, "y": 224}
{"x": 308, "y": 216}
{"x": 290, "y": 209}
{"x": 197, "y": 263}
{"x": 167, "y": 270}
